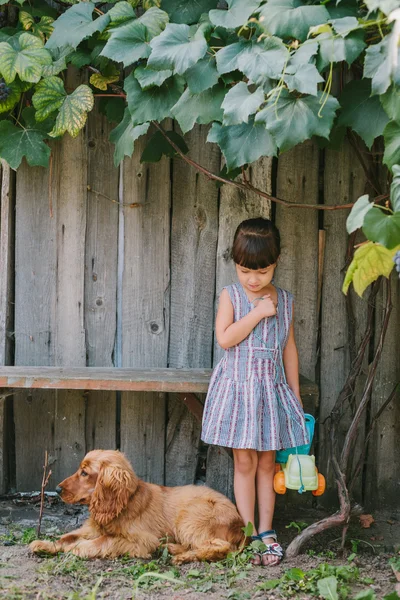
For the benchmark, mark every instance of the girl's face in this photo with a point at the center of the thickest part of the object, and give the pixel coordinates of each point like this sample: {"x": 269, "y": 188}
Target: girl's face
{"x": 255, "y": 280}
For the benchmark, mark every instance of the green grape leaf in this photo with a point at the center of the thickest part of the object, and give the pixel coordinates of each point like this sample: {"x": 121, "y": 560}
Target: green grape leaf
{"x": 334, "y": 48}
{"x": 202, "y": 75}
{"x": 43, "y": 29}
{"x": 391, "y": 136}
{"x": 19, "y": 142}
{"x": 177, "y": 48}
{"x": 101, "y": 80}
{"x": 237, "y": 14}
{"x": 13, "y": 97}
{"x": 386, "y": 6}
{"x": 121, "y": 13}
{"x": 344, "y": 25}
{"x": 382, "y": 227}
{"x": 155, "y": 103}
{"x": 158, "y": 146}
{"x": 186, "y": 11}
{"x": 199, "y": 108}
{"x": 113, "y": 108}
{"x": 395, "y": 188}
{"x": 304, "y": 53}
{"x": 59, "y": 56}
{"x": 360, "y": 208}
{"x": 263, "y": 60}
{"x": 131, "y": 41}
{"x": 370, "y": 261}
{"x": 80, "y": 58}
{"x": 303, "y": 78}
{"x": 228, "y": 57}
{"x": 241, "y": 144}
{"x": 128, "y": 44}
{"x": 291, "y": 18}
{"x": 154, "y": 20}
{"x": 25, "y": 58}
{"x": 72, "y": 109}
{"x": 390, "y": 101}
{"x": 75, "y": 25}
{"x": 124, "y": 137}
{"x": 291, "y": 119}
{"x": 363, "y": 113}
{"x": 378, "y": 66}
{"x": 148, "y": 77}
{"x": 327, "y": 588}
{"x": 240, "y": 103}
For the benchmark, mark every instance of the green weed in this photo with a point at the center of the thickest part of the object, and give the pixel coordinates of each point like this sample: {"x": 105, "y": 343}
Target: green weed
{"x": 65, "y": 564}
{"x": 326, "y": 581}
{"x": 298, "y": 526}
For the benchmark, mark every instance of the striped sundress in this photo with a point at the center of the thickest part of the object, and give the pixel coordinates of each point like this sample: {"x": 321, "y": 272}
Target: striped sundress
{"x": 249, "y": 404}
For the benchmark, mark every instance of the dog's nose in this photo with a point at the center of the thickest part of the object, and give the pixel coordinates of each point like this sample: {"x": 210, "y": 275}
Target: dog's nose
{"x": 58, "y": 489}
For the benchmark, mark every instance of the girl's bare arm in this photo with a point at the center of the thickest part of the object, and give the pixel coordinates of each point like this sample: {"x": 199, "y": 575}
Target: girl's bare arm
{"x": 229, "y": 333}
{"x": 291, "y": 364}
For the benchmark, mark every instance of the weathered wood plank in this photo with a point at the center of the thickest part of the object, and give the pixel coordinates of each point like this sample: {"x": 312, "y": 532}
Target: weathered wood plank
{"x": 145, "y": 307}
{"x": 235, "y": 206}
{"x": 383, "y": 466}
{"x": 124, "y": 379}
{"x": 344, "y": 181}
{"x": 35, "y": 278}
{"x": 297, "y": 270}
{"x": 50, "y": 235}
{"x": 70, "y": 173}
{"x": 193, "y": 249}
{"x": 6, "y": 309}
{"x": 101, "y": 278}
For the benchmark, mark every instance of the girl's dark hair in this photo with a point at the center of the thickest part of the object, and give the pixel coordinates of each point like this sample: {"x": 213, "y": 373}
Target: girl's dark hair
{"x": 257, "y": 244}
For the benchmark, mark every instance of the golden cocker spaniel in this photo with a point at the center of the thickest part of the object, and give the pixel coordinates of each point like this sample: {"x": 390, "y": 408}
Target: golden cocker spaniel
{"x": 129, "y": 516}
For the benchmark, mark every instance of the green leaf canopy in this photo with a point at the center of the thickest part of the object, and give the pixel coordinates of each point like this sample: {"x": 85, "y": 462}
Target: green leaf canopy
{"x": 24, "y": 56}
{"x": 187, "y": 11}
{"x": 72, "y": 109}
{"x": 240, "y": 103}
{"x": 291, "y": 18}
{"x": 291, "y": 119}
{"x": 75, "y": 25}
{"x": 178, "y": 48}
{"x": 125, "y": 135}
{"x": 19, "y": 142}
{"x": 200, "y": 108}
{"x": 154, "y": 104}
{"x": 382, "y": 227}
{"x": 241, "y": 144}
{"x": 363, "y": 113}
{"x": 238, "y": 12}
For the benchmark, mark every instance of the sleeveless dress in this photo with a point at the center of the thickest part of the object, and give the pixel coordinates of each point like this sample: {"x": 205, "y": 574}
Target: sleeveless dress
{"x": 249, "y": 403}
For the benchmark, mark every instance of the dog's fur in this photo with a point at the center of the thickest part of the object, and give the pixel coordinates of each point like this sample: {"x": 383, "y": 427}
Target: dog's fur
{"x": 130, "y": 516}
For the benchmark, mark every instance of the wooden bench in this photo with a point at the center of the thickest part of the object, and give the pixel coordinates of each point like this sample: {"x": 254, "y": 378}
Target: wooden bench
{"x": 182, "y": 381}
{"x": 186, "y": 383}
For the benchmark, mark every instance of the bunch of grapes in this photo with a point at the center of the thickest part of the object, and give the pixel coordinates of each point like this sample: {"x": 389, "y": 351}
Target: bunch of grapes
{"x": 397, "y": 261}
{"x": 4, "y": 90}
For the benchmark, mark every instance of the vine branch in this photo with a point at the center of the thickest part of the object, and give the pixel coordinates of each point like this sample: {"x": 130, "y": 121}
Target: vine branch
{"x": 247, "y": 186}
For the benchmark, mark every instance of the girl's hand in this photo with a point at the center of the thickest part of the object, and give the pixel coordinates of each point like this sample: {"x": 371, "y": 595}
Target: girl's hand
{"x": 265, "y": 307}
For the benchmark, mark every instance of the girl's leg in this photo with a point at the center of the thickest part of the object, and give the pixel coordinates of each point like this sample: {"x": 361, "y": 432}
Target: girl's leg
{"x": 266, "y": 498}
{"x": 245, "y": 467}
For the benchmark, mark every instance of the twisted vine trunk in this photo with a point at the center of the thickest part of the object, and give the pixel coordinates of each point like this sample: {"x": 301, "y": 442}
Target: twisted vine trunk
{"x": 340, "y": 459}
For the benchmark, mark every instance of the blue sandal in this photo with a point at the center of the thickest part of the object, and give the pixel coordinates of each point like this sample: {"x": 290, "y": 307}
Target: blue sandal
{"x": 273, "y": 549}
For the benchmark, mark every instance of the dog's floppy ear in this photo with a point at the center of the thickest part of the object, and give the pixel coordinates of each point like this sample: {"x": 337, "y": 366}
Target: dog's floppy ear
{"x": 113, "y": 489}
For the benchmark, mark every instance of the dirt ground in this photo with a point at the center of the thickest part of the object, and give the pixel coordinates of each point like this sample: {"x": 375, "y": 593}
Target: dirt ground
{"x": 364, "y": 566}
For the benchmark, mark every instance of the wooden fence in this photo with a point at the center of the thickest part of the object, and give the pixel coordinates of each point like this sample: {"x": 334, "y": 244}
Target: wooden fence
{"x": 103, "y": 266}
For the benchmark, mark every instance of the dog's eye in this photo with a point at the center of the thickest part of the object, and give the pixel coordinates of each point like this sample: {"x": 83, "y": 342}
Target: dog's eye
{"x": 84, "y": 474}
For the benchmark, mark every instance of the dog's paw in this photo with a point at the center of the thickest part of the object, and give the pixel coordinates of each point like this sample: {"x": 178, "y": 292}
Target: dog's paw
{"x": 42, "y": 546}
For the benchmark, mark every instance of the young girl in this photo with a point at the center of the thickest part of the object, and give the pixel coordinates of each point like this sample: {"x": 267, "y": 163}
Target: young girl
{"x": 253, "y": 403}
